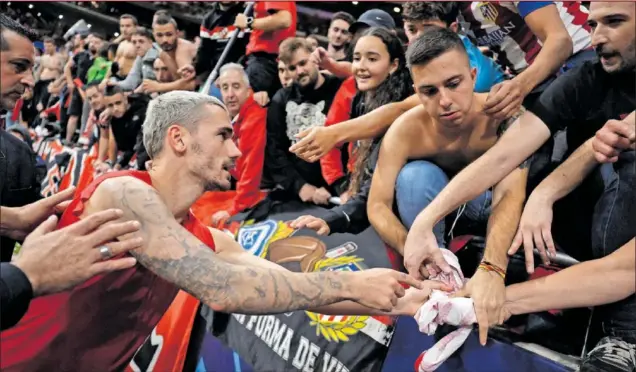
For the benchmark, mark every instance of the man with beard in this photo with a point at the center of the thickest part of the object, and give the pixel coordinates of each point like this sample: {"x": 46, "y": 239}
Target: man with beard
{"x": 595, "y": 96}
{"x": 301, "y": 106}
{"x": 189, "y": 139}
{"x": 48, "y": 262}
{"x": 339, "y": 35}
{"x": 76, "y": 71}
{"x": 146, "y": 53}
{"x": 125, "y": 55}
{"x": 120, "y": 135}
{"x": 176, "y": 53}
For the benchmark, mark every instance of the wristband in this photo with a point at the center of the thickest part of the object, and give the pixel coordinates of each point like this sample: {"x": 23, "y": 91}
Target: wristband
{"x": 249, "y": 22}
{"x": 488, "y": 267}
{"x": 109, "y": 162}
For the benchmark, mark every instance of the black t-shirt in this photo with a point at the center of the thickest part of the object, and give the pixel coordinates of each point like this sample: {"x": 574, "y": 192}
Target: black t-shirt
{"x": 216, "y": 29}
{"x": 583, "y": 99}
{"x": 82, "y": 62}
{"x": 291, "y": 111}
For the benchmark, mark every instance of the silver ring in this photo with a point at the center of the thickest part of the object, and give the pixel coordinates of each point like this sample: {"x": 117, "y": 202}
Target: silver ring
{"x": 105, "y": 253}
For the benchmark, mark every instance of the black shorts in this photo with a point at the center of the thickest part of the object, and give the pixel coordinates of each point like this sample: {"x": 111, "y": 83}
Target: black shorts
{"x": 76, "y": 105}
{"x": 262, "y": 71}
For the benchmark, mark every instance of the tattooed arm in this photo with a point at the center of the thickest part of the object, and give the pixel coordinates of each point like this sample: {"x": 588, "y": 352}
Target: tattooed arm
{"x": 229, "y": 250}
{"x": 174, "y": 254}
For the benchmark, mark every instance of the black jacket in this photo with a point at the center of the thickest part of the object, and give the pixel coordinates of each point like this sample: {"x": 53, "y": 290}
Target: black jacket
{"x": 15, "y": 295}
{"x": 19, "y": 184}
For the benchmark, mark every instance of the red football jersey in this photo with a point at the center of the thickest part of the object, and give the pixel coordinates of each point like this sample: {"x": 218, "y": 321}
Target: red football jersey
{"x": 98, "y": 325}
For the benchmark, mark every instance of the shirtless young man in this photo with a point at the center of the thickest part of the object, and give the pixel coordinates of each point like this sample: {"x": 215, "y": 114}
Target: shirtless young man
{"x": 430, "y": 143}
{"x": 100, "y": 325}
{"x": 51, "y": 68}
{"x": 176, "y": 53}
{"x": 126, "y": 54}
{"x": 51, "y": 63}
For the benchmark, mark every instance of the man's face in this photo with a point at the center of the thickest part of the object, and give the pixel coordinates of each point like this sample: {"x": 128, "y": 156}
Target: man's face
{"x": 613, "y": 34}
{"x": 161, "y": 71}
{"x": 117, "y": 103}
{"x": 78, "y": 41}
{"x": 165, "y": 36}
{"x": 234, "y": 90}
{"x": 445, "y": 87}
{"x": 286, "y": 77}
{"x": 49, "y": 48}
{"x": 415, "y": 29}
{"x": 95, "y": 98}
{"x": 16, "y": 68}
{"x": 127, "y": 27}
{"x": 95, "y": 45}
{"x": 305, "y": 70}
{"x": 142, "y": 44}
{"x": 338, "y": 33}
{"x": 210, "y": 150}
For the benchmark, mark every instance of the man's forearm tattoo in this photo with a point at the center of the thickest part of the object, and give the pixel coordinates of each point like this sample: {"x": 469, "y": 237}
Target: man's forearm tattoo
{"x": 174, "y": 255}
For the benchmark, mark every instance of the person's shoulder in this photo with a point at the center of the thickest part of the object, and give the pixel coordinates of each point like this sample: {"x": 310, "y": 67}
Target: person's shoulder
{"x": 15, "y": 146}
{"x": 333, "y": 81}
{"x": 586, "y": 74}
{"x": 116, "y": 184}
{"x": 283, "y": 94}
{"x": 409, "y": 125}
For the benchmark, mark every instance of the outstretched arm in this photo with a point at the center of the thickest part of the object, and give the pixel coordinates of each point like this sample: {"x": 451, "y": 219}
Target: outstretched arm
{"x": 233, "y": 253}
{"x": 174, "y": 254}
{"x": 597, "y": 282}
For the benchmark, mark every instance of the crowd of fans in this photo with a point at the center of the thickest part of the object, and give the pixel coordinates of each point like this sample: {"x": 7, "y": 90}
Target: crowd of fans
{"x": 514, "y": 122}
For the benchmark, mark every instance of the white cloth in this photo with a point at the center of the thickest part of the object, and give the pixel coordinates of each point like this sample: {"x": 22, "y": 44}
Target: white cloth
{"x": 440, "y": 309}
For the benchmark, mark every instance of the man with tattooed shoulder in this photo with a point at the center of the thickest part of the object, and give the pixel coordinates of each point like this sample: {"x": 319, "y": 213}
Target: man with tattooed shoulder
{"x": 100, "y": 324}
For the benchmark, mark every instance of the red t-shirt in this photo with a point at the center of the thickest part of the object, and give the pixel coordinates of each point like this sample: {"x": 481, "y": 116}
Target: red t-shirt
{"x": 268, "y": 42}
{"x": 331, "y": 163}
{"x": 98, "y": 325}
{"x": 250, "y": 130}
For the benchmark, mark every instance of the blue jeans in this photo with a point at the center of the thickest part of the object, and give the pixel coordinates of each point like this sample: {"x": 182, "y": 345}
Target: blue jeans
{"x": 613, "y": 225}
{"x": 418, "y": 184}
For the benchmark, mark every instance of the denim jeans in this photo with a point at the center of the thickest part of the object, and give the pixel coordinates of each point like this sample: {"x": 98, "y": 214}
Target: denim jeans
{"x": 613, "y": 225}
{"x": 418, "y": 183}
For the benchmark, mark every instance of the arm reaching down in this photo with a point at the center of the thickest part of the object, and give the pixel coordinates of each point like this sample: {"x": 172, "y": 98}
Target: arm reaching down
{"x": 592, "y": 283}
{"x": 174, "y": 254}
{"x": 535, "y": 227}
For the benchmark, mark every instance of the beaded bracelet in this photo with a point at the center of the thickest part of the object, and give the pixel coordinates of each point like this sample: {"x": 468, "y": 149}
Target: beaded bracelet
{"x": 488, "y": 267}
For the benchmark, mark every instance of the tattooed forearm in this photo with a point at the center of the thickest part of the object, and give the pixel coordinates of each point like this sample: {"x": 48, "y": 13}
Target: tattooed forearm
{"x": 177, "y": 256}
